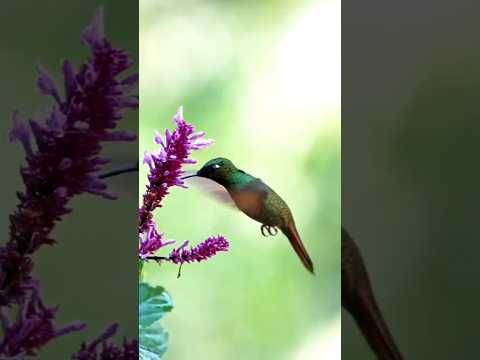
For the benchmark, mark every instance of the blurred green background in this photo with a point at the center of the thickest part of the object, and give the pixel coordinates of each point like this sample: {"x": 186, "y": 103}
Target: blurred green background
{"x": 263, "y": 79}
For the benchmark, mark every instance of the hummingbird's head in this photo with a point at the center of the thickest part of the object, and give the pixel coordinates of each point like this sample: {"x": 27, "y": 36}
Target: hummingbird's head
{"x": 218, "y": 170}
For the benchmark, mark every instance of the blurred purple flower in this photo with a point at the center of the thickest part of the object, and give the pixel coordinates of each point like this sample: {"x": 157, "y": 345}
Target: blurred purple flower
{"x": 108, "y": 351}
{"x": 66, "y": 157}
{"x": 61, "y": 164}
{"x": 166, "y": 165}
{"x": 201, "y": 252}
{"x": 33, "y": 327}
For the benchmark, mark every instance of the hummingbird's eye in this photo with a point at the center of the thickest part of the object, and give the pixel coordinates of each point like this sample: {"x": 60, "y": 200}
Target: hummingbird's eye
{"x": 216, "y": 166}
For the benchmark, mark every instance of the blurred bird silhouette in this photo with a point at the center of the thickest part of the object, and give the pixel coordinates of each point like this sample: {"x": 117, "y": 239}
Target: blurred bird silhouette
{"x": 358, "y": 299}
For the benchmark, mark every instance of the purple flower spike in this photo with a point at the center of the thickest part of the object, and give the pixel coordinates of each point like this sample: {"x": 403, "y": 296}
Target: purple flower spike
{"x": 152, "y": 241}
{"x": 166, "y": 170}
{"x": 201, "y": 252}
{"x": 166, "y": 164}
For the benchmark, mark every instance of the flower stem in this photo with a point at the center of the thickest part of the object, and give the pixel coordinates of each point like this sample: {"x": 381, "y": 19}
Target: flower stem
{"x": 157, "y": 258}
{"x": 130, "y": 168}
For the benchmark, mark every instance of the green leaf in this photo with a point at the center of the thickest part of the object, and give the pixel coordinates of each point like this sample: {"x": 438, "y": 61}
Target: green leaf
{"x": 154, "y": 302}
{"x": 153, "y": 342}
{"x": 140, "y": 268}
{"x": 146, "y": 354}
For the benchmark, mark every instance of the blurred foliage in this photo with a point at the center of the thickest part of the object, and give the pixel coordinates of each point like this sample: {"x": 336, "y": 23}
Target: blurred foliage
{"x": 247, "y": 73}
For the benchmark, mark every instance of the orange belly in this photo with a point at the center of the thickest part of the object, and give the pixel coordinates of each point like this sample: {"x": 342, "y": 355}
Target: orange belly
{"x": 248, "y": 202}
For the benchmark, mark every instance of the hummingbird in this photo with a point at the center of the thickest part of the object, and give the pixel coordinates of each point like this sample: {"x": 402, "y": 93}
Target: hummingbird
{"x": 358, "y": 299}
{"x": 258, "y": 201}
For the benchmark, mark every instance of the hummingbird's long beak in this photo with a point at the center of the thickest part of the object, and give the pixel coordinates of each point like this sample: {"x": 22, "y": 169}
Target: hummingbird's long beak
{"x": 188, "y": 176}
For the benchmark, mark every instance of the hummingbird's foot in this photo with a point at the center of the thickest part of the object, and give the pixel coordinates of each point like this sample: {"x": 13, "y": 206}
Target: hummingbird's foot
{"x": 271, "y": 230}
{"x": 262, "y": 229}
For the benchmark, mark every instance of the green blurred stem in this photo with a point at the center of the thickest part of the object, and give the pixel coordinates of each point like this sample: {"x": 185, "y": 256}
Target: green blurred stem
{"x": 128, "y": 169}
{"x": 141, "y": 262}
{"x": 140, "y": 268}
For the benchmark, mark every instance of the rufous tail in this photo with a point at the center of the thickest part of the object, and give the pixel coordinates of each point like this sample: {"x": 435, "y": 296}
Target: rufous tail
{"x": 359, "y": 300}
{"x": 369, "y": 319}
{"x": 292, "y": 234}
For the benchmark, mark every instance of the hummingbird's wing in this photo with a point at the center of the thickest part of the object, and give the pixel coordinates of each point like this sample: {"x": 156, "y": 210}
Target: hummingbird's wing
{"x": 250, "y": 198}
{"x": 213, "y": 189}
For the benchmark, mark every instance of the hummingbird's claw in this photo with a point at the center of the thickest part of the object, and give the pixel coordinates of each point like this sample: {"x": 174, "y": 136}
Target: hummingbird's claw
{"x": 262, "y": 229}
{"x": 271, "y": 230}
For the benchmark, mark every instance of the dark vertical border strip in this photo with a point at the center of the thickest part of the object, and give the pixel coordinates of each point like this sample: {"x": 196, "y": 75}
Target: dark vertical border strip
{"x": 409, "y": 181}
